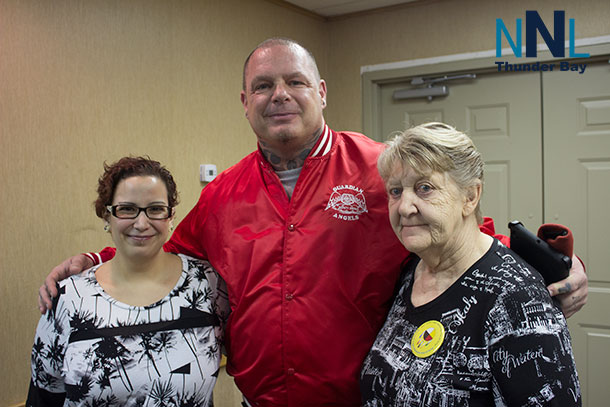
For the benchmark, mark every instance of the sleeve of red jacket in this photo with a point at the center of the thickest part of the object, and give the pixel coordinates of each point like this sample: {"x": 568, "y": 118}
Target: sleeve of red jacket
{"x": 106, "y": 254}
{"x": 488, "y": 228}
{"x": 188, "y": 238}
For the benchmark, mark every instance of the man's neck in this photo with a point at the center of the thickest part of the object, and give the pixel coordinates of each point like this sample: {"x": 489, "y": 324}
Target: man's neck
{"x": 288, "y": 158}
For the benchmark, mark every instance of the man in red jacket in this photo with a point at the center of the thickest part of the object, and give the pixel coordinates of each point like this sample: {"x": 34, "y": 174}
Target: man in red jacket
{"x": 299, "y": 231}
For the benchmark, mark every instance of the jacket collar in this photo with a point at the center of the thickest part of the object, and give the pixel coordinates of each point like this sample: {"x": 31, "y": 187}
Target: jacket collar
{"x": 324, "y": 143}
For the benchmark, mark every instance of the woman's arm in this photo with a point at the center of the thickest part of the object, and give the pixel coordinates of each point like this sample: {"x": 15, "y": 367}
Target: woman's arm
{"x": 38, "y": 397}
{"x": 50, "y": 341}
{"x": 571, "y": 291}
{"x": 530, "y": 353}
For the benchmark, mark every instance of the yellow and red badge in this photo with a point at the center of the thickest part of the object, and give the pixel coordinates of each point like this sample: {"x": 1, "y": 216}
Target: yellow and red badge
{"x": 427, "y": 338}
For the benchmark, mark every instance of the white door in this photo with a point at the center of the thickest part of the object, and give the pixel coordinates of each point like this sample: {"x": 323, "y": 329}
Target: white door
{"x": 577, "y": 193}
{"x": 502, "y": 114}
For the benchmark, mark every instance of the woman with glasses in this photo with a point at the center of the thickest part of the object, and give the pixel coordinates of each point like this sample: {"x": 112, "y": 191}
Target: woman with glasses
{"x": 144, "y": 328}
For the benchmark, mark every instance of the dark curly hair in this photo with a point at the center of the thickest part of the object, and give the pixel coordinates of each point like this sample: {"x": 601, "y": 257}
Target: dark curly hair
{"x": 130, "y": 167}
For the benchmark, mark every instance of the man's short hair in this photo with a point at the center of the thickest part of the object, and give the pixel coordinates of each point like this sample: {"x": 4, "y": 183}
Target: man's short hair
{"x": 270, "y": 42}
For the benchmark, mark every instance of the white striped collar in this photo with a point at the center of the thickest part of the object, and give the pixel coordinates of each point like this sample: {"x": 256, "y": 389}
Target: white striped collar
{"x": 324, "y": 144}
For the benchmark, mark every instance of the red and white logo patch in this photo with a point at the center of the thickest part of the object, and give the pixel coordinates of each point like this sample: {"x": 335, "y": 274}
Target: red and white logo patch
{"x": 347, "y": 201}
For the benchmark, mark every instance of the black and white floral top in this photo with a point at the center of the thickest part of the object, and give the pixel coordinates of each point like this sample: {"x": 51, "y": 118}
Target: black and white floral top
{"x": 92, "y": 350}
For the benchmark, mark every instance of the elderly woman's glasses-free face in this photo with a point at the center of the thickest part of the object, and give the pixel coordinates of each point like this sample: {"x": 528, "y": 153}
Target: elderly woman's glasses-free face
{"x": 155, "y": 212}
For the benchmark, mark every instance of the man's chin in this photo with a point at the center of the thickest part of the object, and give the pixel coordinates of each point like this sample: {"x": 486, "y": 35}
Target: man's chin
{"x": 284, "y": 136}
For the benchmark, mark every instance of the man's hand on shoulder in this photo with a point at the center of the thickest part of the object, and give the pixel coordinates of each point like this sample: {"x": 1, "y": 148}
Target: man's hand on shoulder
{"x": 67, "y": 268}
{"x": 571, "y": 291}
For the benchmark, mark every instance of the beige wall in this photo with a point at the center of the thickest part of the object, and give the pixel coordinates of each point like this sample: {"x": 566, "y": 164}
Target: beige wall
{"x": 86, "y": 81}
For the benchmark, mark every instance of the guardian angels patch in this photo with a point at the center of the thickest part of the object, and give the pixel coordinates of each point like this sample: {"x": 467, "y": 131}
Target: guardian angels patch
{"x": 347, "y": 201}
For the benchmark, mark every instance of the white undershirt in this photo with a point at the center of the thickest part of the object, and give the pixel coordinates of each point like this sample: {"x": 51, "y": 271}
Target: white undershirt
{"x": 289, "y": 178}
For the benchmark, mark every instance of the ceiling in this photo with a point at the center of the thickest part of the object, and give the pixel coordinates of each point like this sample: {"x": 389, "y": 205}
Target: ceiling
{"x": 333, "y": 8}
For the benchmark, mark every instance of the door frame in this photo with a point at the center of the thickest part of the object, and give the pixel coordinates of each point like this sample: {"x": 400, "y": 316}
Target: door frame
{"x": 373, "y": 76}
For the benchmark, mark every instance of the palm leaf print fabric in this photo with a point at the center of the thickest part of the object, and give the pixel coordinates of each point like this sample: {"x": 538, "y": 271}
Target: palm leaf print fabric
{"x": 92, "y": 350}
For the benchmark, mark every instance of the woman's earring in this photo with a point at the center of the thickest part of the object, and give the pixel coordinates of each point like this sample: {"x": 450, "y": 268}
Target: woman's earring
{"x": 171, "y": 227}
{"x": 107, "y": 227}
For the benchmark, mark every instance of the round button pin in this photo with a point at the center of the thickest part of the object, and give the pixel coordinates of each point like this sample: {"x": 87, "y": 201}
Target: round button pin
{"x": 427, "y": 338}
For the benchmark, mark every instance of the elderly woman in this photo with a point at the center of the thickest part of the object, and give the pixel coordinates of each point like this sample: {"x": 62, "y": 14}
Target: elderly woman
{"x": 472, "y": 324}
{"x": 142, "y": 329}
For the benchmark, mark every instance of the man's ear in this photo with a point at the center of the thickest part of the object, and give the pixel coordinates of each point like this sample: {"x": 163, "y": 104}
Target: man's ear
{"x": 322, "y": 90}
{"x": 472, "y": 198}
{"x": 244, "y": 101}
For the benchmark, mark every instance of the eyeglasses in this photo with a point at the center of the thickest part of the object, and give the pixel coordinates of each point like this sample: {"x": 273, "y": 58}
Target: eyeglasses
{"x": 155, "y": 212}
